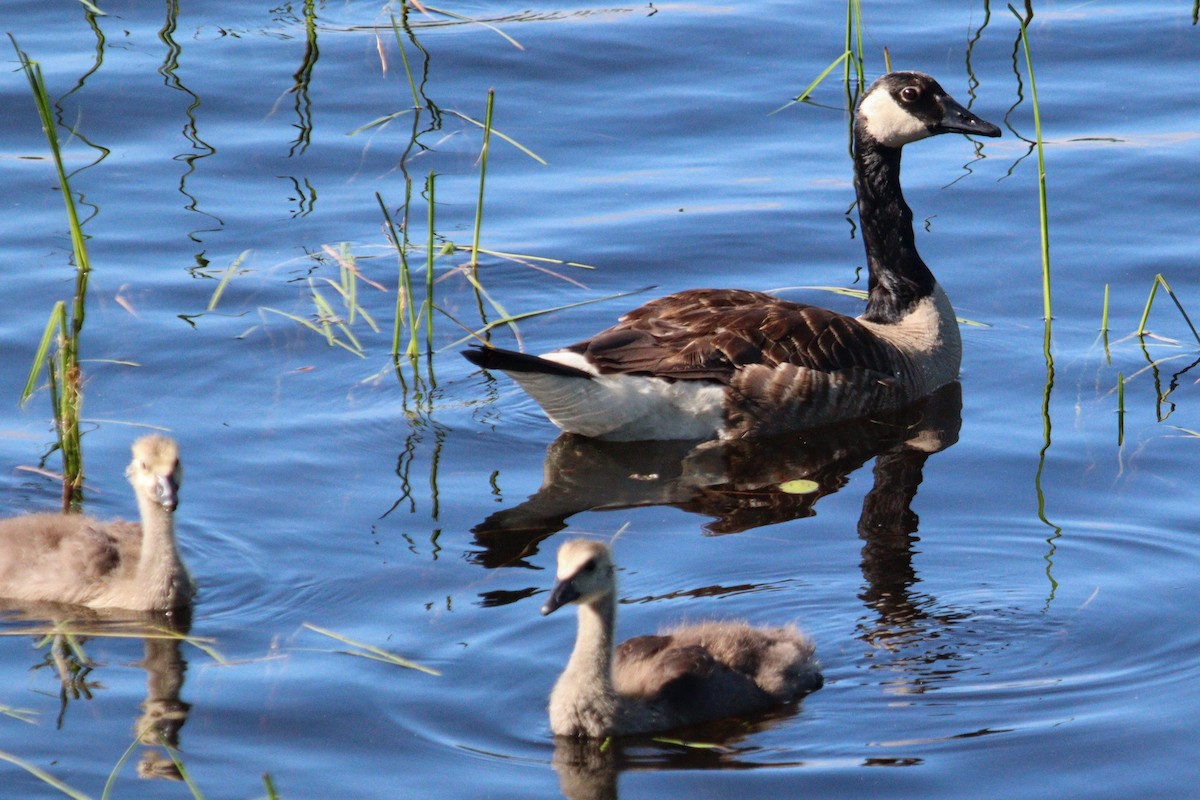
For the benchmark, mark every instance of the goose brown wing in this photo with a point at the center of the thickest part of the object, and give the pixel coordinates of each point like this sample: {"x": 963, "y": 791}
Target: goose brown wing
{"x": 655, "y": 666}
{"x": 708, "y": 334}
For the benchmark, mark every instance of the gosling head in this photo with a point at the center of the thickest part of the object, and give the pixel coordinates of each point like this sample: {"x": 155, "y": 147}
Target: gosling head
{"x": 155, "y": 471}
{"x": 585, "y": 573}
{"x": 904, "y": 107}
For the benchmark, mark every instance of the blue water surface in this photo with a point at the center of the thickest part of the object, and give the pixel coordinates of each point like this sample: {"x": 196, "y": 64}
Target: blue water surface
{"x": 1001, "y": 584}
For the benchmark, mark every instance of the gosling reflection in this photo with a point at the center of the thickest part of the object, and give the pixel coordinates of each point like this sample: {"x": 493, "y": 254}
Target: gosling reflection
{"x": 736, "y": 483}
{"x": 588, "y": 769}
{"x": 65, "y": 631}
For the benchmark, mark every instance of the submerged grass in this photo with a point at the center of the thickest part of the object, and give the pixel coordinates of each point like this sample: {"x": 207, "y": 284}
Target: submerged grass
{"x": 43, "y": 776}
{"x": 21, "y": 714}
{"x": 1120, "y": 409}
{"x": 370, "y": 651}
{"x": 71, "y": 632}
{"x": 232, "y": 270}
{"x": 110, "y": 783}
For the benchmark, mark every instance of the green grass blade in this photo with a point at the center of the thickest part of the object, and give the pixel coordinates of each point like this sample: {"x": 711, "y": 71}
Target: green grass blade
{"x": 800, "y": 98}
{"x": 229, "y": 273}
{"x": 183, "y": 772}
{"x": 1141, "y": 328}
{"x": 1179, "y": 305}
{"x": 503, "y": 136}
{"x": 22, "y": 714}
{"x": 404, "y": 304}
{"x": 430, "y": 191}
{"x": 1120, "y": 409}
{"x": 41, "y": 357}
{"x": 375, "y": 123}
{"x": 412, "y": 84}
{"x": 519, "y": 257}
{"x": 510, "y": 320}
{"x": 43, "y": 776}
{"x": 1104, "y": 312}
{"x": 1041, "y": 158}
{"x": 116, "y": 770}
{"x": 487, "y": 25}
{"x": 323, "y": 332}
{"x": 377, "y": 653}
{"x": 483, "y": 162}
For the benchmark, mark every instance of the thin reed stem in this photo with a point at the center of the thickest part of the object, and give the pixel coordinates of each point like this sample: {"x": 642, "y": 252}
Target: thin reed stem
{"x": 430, "y": 184}
{"x": 1120, "y": 409}
{"x": 70, "y": 399}
{"x": 483, "y": 162}
{"x": 1041, "y": 157}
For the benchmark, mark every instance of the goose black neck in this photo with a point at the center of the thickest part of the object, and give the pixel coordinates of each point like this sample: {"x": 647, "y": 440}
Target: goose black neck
{"x": 898, "y": 277}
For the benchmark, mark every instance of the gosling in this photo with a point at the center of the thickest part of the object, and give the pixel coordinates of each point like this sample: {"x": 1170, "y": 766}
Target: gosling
{"x": 71, "y": 558}
{"x": 684, "y": 676}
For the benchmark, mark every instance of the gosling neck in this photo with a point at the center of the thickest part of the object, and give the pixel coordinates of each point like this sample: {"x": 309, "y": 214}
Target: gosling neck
{"x": 160, "y": 573}
{"x": 898, "y": 277}
{"x": 590, "y": 664}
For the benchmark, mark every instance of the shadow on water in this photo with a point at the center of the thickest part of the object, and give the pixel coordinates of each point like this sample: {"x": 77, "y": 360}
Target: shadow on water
{"x": 739, "y": 484}
{"x": 60, "y": 633}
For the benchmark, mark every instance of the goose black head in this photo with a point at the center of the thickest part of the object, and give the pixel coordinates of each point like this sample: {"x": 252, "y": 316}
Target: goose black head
{"x": 585, "y": 573}
{"x": 904, "y": 107}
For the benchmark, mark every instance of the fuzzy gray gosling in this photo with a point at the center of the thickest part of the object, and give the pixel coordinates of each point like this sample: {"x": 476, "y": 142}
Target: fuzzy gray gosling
{"x": 684, "y": 676}
{"x": 70, "y": 558}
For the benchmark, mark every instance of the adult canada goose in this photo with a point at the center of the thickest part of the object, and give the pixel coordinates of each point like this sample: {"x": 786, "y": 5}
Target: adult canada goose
{"x": 733, "y": 363}
{"x": 70, "y": 558}
{"x": 685, "y": 676}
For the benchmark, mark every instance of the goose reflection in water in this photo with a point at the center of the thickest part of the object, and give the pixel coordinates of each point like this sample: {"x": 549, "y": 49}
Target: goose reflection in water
{"x": 67, "y": 628}
{"x": 738, "y": 483}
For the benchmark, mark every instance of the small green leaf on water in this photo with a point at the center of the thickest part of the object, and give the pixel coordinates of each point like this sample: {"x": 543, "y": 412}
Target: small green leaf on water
{"x": 799, "y": 486}
{"x": 693, "y": 745}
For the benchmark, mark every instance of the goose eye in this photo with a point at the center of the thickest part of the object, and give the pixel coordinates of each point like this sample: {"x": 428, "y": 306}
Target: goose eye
{"x": 590, "y": 566}
{"x": 909, "y": 94}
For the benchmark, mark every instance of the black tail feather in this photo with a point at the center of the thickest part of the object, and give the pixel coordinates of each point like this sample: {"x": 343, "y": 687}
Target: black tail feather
{"x": 513, "y": 361}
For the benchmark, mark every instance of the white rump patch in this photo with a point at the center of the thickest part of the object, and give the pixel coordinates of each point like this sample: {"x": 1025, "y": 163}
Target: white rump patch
{"x": 625, "y": 407}
{"x": 569, "y": 359}
{"x": 887, "y": 122}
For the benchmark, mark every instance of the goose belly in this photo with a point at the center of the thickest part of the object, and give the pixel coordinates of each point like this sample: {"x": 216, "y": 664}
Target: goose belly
{"x": 628, "y": 407}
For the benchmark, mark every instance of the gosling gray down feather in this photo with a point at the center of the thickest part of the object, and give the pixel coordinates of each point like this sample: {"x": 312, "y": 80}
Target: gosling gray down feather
{"x": 71, "y": 558}
{"x": 683, "y": 676}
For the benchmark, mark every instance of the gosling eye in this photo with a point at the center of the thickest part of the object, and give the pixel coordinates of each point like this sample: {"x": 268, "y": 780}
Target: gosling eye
{"x": 590, "y": 566}
{"x": 909, "y": 94}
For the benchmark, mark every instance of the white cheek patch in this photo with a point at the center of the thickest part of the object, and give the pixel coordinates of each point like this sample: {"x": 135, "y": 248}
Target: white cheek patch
{"x": 888, "y": 123}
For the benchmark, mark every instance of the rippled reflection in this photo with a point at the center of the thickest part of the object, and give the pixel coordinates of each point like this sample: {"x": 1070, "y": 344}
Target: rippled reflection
{"x": 737, "y": 483}
{"x": 61, "y": 633}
